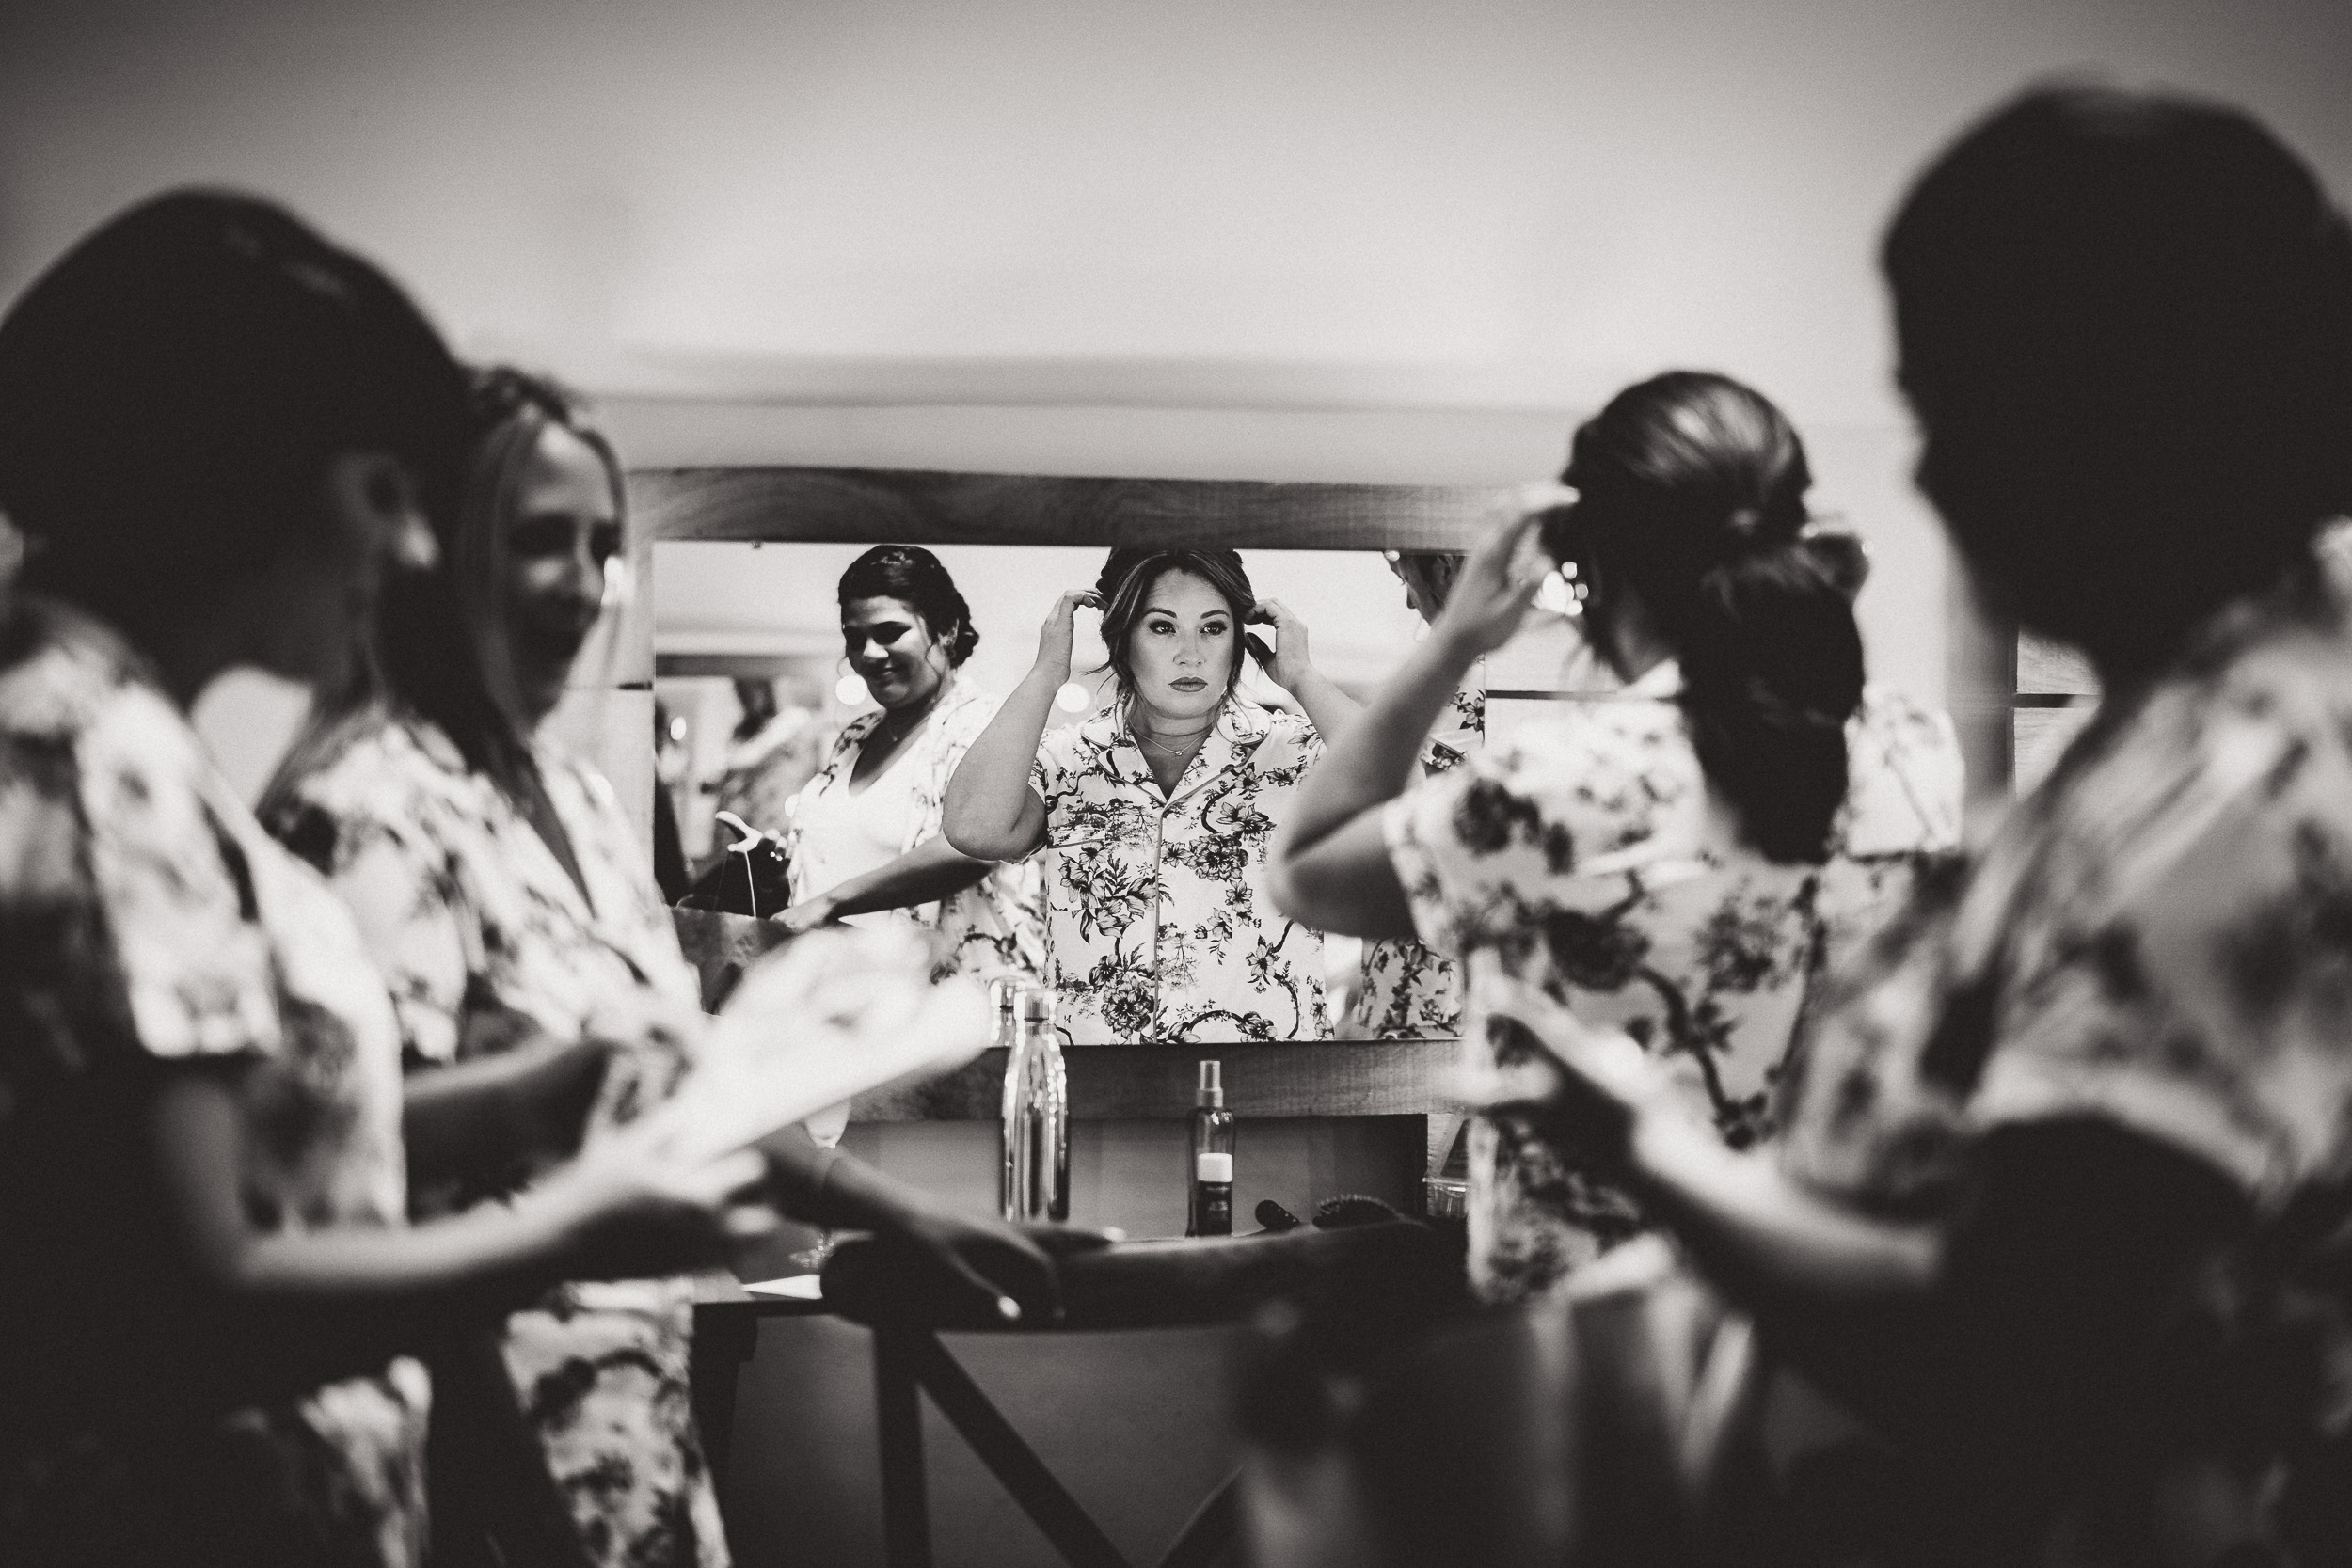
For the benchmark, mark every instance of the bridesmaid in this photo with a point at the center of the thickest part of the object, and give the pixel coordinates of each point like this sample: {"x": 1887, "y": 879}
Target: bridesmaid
{"x": 499, "y": 883}
{"x": 215, "y": 426}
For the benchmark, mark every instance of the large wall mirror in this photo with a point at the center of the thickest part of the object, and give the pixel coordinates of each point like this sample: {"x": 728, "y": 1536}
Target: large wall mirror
{"x": 738, "y": 569}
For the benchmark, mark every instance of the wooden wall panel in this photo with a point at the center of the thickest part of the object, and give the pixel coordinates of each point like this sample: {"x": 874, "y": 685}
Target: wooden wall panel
{"x": 913, "y": 507}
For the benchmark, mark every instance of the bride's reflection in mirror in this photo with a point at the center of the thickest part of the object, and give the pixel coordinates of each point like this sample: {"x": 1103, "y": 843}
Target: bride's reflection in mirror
{"x": 757, "y": 667}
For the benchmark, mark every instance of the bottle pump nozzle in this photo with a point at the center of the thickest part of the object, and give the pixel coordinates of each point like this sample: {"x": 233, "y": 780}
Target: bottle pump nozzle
{"x": 1211, "y": 1090}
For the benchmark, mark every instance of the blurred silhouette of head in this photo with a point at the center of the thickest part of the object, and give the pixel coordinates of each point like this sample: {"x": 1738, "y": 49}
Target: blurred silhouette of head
{"x": 2125, "y": 324}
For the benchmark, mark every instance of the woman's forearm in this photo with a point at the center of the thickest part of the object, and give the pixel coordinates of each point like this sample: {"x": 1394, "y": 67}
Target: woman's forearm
{"x": 1763, "y": 1236}
{"x": 477, "y": 1116}
{"x": 290, "y": 1309}
{"x": 990, "y": 812}
{"x": 1374, "y": 751}
{"x": 1855, "y": 1303}
{"x": 1329, "y": 708}
{"x": 933, "y": 870}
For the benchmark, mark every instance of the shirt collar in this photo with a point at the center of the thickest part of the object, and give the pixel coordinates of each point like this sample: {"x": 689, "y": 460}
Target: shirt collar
{"x": 1241, "y": 724}
{"x": 1239, "y": 721}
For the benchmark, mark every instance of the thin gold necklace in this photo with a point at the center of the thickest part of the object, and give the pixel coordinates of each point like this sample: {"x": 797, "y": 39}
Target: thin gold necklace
{"x": 1160, "y": 744}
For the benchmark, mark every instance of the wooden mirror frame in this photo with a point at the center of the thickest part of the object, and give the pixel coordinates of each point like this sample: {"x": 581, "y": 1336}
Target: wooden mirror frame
{"x": 811, "y": 506}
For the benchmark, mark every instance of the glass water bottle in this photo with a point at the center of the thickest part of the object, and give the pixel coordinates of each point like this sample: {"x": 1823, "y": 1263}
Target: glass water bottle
{"x": 1036, "y": 1117}
{"x": 1004, "y": 998}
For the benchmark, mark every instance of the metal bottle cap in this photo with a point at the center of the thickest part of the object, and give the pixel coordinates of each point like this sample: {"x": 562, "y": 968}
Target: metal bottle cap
{"x": 1037, "y": 1005}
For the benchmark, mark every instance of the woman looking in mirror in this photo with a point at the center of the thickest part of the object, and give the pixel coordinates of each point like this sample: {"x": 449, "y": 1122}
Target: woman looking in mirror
{"x": 1159, "y": 808}
{"x": 507, "y": 898}
{"x": 1678, "y": 859}
{"x": 2048, "y": 1264}
{"x": 863, "y": 838}
{"x": 217, "y": 428}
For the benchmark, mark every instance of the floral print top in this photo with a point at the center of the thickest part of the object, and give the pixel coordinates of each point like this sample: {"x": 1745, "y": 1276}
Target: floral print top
{"x": 150, "y": 923}
{"x": 991, "y": 928}
{"x": 486, "y": 938}
{"x": 2158, "y": 937}
{"x": 1407, "y": 989}
{"x": 1590, "y": 856}
{"x": 1158, "y": 922}
{"x": 2161, "y": 934}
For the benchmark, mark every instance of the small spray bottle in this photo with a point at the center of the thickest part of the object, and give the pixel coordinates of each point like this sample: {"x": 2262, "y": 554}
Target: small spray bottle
{"x": 1209, "y": 1165}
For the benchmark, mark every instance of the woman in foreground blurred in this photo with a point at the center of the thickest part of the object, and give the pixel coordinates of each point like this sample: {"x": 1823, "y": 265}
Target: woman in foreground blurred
{"x": 2049, "y": 1263}
{"x": 497, "y": 882}
{"x": 215, "y": 427}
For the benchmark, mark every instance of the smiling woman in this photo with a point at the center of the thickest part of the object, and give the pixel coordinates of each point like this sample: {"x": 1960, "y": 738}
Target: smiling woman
{"x": 1158, "y": 808}
{"x": 863, "y": 838}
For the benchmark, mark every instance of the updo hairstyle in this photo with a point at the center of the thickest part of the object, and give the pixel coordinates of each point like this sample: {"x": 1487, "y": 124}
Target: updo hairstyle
{"x": 1125, "y": 589}
{"x": 2125, "y": 324}
{"x": 913, "y": 575}
{"x": 1691, "y": 492}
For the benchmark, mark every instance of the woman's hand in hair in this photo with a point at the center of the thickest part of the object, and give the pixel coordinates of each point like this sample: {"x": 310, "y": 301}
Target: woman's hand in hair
{"x": 1060, "y": 628}
{"x": 1497, "y": 582}
{"x": 1286, "y": 664}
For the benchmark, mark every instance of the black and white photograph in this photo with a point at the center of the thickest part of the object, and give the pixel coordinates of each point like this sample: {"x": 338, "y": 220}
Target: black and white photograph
{"x": 1240, "y": 784}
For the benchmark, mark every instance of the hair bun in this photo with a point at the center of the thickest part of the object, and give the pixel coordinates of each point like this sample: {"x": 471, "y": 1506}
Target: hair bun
{"x": 1840, "y": 556}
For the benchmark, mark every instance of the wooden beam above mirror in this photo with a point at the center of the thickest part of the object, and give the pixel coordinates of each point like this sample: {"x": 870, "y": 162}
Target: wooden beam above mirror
{"x": 918, "y": 507}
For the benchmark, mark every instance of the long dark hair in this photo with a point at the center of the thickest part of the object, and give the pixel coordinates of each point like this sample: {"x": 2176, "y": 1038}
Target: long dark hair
{"x": 440, "y": 639}
{"x": 172, "y": 387}
{"x": 913, "y": 575}
{"x": 1125, "y": 586}
{"x": 1691, "y": 492}
{"x": 2125, "y": 324}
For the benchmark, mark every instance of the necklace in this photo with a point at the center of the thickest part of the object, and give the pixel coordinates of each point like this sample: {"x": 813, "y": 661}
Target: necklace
{"x": 1160, "y": 744}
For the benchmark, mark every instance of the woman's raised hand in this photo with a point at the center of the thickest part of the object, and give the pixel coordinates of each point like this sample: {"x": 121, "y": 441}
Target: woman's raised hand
{"x": 1061, "y": 625}
{"x": 1491, "y": 592}
{"x": 1286, "y": 663}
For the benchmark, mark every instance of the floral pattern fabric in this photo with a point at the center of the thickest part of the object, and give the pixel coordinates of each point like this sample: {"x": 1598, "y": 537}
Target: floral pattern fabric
{"x": 149, "y": 920}
{"x": 1589, "y": 857}
{"x": 991, "y": 928}
{"x": 1404, "y": 990}
{"x": 1158, "y": 922}
{"x": 2158, "y": 937}
{"x": 476, "y": 921}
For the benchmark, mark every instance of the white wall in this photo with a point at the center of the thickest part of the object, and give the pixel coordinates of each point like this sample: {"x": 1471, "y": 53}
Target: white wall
{"x": 1477, "y": 201}
{"x": 1257, "y": 238}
